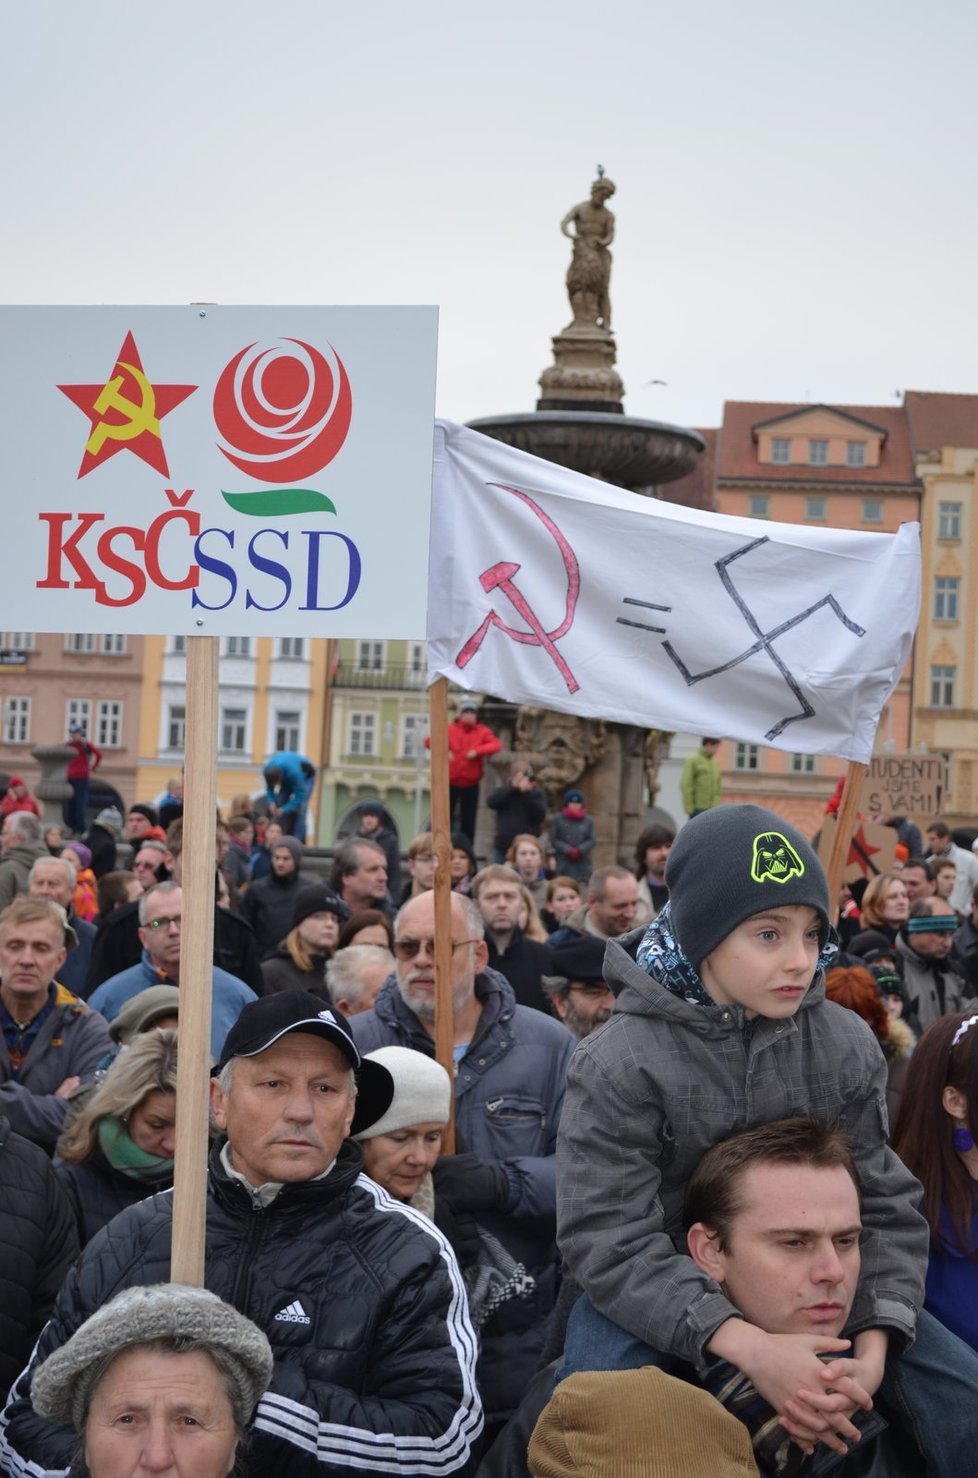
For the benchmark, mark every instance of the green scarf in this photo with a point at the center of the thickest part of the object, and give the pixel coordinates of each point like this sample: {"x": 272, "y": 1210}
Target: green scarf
{"x": 124, "y": 1154}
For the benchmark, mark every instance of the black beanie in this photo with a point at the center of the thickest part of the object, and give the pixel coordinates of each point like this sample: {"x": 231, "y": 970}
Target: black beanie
{"x": 732, "y": 862}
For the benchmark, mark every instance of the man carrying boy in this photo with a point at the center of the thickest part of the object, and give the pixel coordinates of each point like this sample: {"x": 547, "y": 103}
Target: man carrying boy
{"x": 720, "y": 1025}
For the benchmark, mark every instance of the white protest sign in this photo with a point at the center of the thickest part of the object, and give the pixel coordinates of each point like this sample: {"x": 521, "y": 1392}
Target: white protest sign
{"x": 904, "y": 785}
{"x": 217, "y": 471}
{"x": 549, "y": 587}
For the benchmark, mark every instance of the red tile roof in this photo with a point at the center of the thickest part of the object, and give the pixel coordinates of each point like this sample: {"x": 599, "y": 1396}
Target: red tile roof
{"x": 939, "y": 419}
{"x": 737, "y": 454}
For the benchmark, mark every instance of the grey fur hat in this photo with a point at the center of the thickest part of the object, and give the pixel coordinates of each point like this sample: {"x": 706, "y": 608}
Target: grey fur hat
{"x": 62, "y": 1386}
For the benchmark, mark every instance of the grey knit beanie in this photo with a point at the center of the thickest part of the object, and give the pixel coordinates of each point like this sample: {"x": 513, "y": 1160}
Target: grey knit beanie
{"x": 732, "y": 862}
{"x": 62, "y": 1386}
{"x": 422, "y": 1091}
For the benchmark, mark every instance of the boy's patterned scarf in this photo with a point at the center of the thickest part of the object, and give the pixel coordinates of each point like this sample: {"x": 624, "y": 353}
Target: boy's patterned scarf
{"x": 661, "y": 955}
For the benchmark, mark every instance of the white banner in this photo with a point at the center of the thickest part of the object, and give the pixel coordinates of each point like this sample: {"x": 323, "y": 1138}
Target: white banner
{"x": 216, "y": 471}
{"x": 550, "y": 587}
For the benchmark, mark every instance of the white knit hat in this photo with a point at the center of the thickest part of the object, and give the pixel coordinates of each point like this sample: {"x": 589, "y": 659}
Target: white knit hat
{"x": 422, "y": 1091}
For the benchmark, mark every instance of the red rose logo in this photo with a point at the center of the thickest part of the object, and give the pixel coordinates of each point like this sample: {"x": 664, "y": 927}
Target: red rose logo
{"x": 283, "y": 409}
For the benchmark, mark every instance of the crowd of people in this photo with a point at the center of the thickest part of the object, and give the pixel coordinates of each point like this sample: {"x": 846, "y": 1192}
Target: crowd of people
{"x": 712, "y": 1206}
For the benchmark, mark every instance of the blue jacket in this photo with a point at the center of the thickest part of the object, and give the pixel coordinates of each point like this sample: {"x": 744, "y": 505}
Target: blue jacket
{"x": 229, "y": 996}
{"x": 509, "y": 1092}
{"x": 295, "y": 787}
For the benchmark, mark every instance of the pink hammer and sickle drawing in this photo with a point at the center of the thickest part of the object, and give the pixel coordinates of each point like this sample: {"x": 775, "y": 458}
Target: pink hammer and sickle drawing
{"x": 501, "y": 576}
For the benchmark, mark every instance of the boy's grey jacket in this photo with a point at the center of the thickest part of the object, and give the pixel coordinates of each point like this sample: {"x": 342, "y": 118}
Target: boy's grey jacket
{"x": 649, "y": 1093}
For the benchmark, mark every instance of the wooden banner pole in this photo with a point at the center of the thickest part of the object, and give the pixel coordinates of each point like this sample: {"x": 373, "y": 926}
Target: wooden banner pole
{"x": 441, "y": 829}
{"x": 844, "y": 828}
{"x": 196, "y": 961}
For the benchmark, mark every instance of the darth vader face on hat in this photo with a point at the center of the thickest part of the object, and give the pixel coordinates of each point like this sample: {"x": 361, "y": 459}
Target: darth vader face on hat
{"x": 775, "y": 859}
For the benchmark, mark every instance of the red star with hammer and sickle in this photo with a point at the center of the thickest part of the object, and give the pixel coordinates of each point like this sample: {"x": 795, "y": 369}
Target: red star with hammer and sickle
{"x": 860, "y": 858}
{"x": 126, "y": 411}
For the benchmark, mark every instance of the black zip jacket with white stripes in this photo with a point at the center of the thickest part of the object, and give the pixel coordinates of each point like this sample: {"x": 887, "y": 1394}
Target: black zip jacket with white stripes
{"x": 361, "y": 1300}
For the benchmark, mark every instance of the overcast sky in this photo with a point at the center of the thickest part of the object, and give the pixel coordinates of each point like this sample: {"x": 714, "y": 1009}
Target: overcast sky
{"x": 796, "y": 209}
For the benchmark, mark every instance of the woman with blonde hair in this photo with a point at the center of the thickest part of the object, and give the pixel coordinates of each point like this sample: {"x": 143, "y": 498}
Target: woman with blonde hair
{"x": 884, "y": 910}
{"x": 118, "y": 1149}
{"x": 300, "y": 961}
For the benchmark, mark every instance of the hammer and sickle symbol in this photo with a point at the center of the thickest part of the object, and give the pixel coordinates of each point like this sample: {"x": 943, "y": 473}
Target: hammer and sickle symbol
{"x": 140, "y": 418}
{"x": 501, "y": 576}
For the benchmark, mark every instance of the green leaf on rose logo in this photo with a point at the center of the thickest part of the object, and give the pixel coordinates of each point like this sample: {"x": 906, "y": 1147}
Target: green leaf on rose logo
{"x": 278, "y": 502}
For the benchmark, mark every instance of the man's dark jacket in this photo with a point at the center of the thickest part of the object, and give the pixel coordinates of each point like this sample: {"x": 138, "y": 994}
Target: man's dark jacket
{"x": 268, "y": 905}
{"x": 522, "y": 963}
{"x": 38, "y": 1244}
{"x": 517, "y": 811}
{"x": 361, "y": 1301}
{"x": 118, "y": 946}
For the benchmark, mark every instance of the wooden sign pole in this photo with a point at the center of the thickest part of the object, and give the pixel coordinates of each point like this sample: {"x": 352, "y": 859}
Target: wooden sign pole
{"x": 196, "y": 961}
{"x": 845, "y": 826}
{"x": 441, "y": 830}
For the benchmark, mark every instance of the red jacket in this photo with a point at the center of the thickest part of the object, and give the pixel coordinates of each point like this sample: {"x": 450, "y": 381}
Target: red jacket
{"x": 84, "y": 760}
{"x": 463, "y": 738}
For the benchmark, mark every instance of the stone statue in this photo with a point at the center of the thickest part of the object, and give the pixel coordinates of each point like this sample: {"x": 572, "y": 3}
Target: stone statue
{"x": 560, "y": 747}
{"x": 589, "y": 273}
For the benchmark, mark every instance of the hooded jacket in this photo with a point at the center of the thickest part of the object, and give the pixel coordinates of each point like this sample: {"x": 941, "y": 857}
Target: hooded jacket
{"x": 15, "y": 868}
{"x": 933, "y": 986}
{"x": 664, "y": 1080}
{"x": 362, "y": 1303}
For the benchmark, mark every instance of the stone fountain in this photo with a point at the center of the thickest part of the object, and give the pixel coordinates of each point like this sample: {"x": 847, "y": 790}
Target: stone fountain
{"x": 580, "y": 423}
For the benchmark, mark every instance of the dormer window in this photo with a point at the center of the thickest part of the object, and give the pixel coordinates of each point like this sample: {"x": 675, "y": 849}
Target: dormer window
{"x": 855, "y": 454}
{"x": 780, "y": 449}
{"x": 818, "y": 452}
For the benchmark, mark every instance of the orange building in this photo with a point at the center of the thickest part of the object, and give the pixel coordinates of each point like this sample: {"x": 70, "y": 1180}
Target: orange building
{"x": 847, "y": 467}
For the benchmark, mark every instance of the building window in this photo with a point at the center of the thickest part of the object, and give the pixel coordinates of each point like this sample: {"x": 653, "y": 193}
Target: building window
{"x": 114, "y": 644}
{"x": 17, "y": 721}
{"x": 288, "y": 727}
{"x": 237, "y": 646}
{"x": 759, "y": 506}
{"x": 802, "y": 764}
{"x": 291, "y": 647}
{"x": 872, "y": 510}
{"x": 818, "y": 452}
{"x": 746, "y": 757}
{"x": 108, "y": 725}
{"x": 78, "y": 711}
{"x": 412, "y": 743}
{"x": 815, "y": 509}
{"x": 80, "y": 642}
{"x": 855, "y": 454}
{"x": 942, "y": 687}
{"x": 948, "y": 524}
{"x": 370, "y": 656}
{"x": 234, "y": 723}
{"x": 176, "y": 726}
{"x": 780, "y": 449}
{"x": 363, "y": 733}
{"x": 18, "y": 641}
{"x": 178, "y": 646}
{"x": 946, "y": 598}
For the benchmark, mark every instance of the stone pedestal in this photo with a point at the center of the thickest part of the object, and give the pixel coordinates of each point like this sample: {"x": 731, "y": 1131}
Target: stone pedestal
{"x": 53, "y": 789}
{"x": 582, "y": 376}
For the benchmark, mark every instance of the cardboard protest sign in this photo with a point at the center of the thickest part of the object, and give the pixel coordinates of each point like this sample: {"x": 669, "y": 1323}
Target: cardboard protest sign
{"x": 904, "y": 785}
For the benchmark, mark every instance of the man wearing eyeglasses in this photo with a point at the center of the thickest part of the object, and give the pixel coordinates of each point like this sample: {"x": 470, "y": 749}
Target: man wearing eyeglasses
{"x": 511, "y": 1062}
{"x": 578, "y": 993}
{"x": 160, "y": 933}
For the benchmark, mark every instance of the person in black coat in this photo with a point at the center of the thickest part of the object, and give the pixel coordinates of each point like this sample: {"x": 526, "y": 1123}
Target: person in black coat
{"x": 300, "y": 961}
{"x": 119, "y": 1148}
{"x": 267, "y": 904}
{"x": 38, "y": 1244}
{"x": 360, "y": 1298}
{"x": 520, "y": 805}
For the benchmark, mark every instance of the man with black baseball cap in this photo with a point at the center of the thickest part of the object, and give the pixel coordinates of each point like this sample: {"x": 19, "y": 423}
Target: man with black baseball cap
{"x": 359, "y": 1296}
